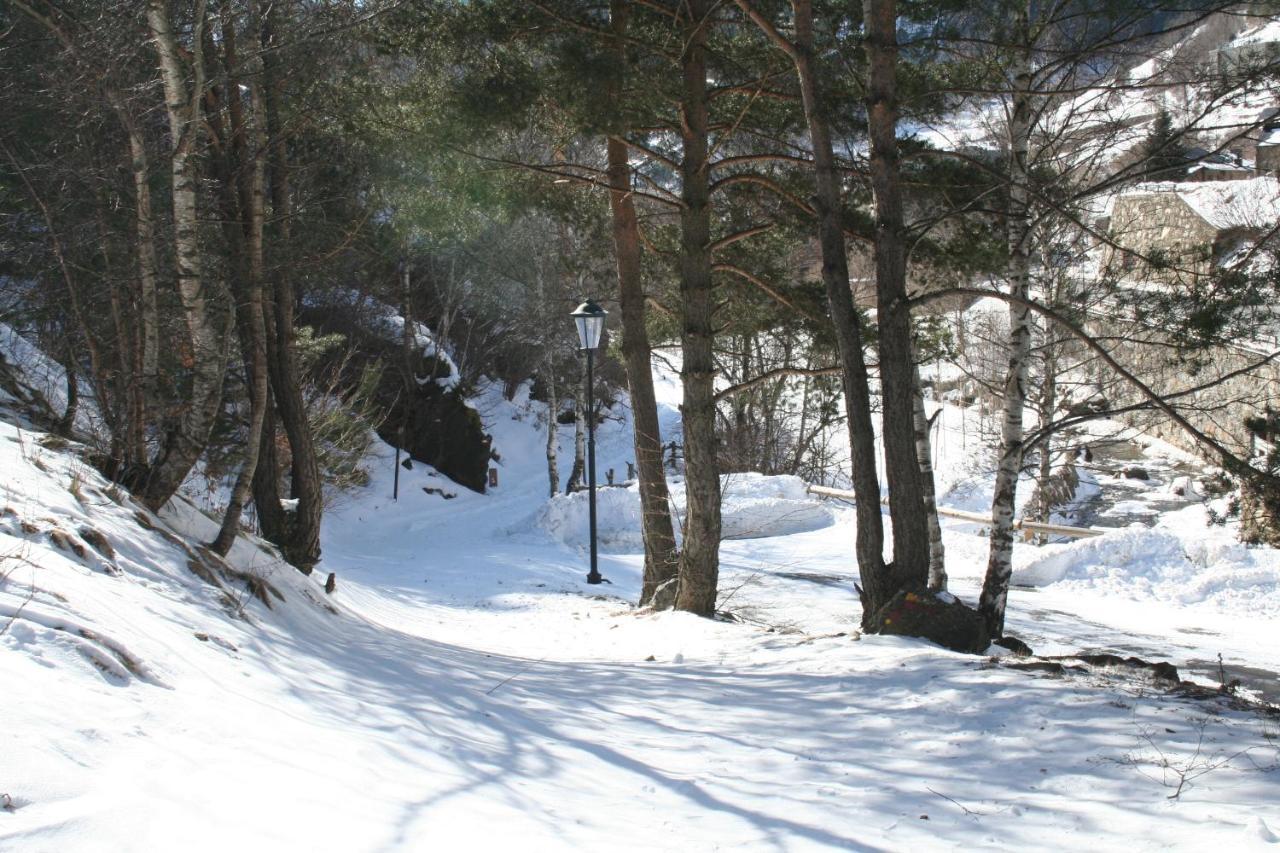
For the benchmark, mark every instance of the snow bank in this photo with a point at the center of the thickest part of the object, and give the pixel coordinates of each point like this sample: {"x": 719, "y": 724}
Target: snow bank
{"x": 1182, "y": 561}
{"x": 566, "y": 519}
{"x": 753, "y": 506}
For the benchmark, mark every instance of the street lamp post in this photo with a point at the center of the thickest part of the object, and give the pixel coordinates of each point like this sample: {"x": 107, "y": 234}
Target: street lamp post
{"x": 590, "y": 320}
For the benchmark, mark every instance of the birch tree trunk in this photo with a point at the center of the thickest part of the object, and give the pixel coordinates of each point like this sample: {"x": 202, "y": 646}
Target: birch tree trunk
{"x": 148, "y": 355}
{"x": 700, "y": 556}
{"x": 144, "y": 391}
{"x": 187, "y": 439}
{"x": 924, "y": 453}
{"x": 995, "y": 586}
{"x": 580, "y": 415}
{"x": 553, "y": 442}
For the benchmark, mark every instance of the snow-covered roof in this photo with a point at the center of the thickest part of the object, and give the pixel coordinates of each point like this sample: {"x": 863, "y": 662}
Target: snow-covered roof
{"x": 1211, "y": 166}
{"x": 1247, "y": 203}
{"x": 1268, "y": 33}
{"x": 1254, "y": 202}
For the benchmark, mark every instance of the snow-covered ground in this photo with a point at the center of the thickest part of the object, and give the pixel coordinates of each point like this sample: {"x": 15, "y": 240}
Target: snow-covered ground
{"x": 464, "y": 688}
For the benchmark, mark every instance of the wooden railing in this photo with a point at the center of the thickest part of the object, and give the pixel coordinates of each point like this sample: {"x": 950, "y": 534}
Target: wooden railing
{"x": 1029, "y": 528}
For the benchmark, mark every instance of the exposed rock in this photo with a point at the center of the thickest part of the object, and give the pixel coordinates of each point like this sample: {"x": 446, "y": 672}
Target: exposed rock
{"x": 437, "y": 425}
{"x": 1160, "y": 671}
{"x": 1050, "y": 666}
{"x": 1136, "y": 472}
{"x": 1058, "y": 489}
{"x": 947, "y": 622}
{"x": 441, "y": 492}
{"x": 1014, "y": 645}
{"x": 439, "y": 428}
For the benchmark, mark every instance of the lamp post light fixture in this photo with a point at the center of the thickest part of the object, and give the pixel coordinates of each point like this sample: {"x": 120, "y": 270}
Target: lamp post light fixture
{"x": 590, "y": 320}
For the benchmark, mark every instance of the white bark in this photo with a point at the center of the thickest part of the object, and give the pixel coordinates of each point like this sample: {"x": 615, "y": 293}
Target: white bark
{"x": 924, "y": 452}
{"x": 208, "y": 342}
{"x": 553, "y": 445}
{"x": 995, "y": 588}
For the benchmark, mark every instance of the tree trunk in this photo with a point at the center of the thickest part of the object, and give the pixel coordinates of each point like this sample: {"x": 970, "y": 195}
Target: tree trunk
{"x": 661, "y": 560}
{"x": 67, "y": 423}
{"x": 553, "y": 442}
{"x": 924, "y": 453}
{"x": 1048, "y": 403}
{"x": 127, "y": 444}
{"x": 869, "y": 538}
{"x": 869, "y": 545}
{"x": 147, "y": 357}
{"x": 907, "y": 511}
{"x": 700, "y": 556}
{"x": 995, "y": 586}
{"x": 187, "y": 439}
{"x": 273, "y": 521}
{"x": 250, "y": 312}
{"x": 301, "y": 546}
{"x": 142, "y": 395}
{"x": 579, "y": 471}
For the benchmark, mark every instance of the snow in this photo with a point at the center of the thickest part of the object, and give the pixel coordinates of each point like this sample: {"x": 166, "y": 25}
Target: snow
{"x": 1252, "y": 203}
{"x": 464, "y": 688}
{"x": 1178, "y": 561}
{"x": 753, "y": 506}
{"x": 46, "y": 378}
{"x": 1268, "y": 33}
{"x": 385, "y": 319}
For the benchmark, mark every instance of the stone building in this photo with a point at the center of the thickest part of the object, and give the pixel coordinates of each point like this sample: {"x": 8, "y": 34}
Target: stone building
{"x": 1251, "y": 49}
{"x": 1169, "y": 232}
{"x": 1191, "y": 229}
{"x": 1268, "y": 151}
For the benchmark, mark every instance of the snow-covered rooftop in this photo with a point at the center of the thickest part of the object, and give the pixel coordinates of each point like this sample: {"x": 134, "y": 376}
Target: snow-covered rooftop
{"x": 1247, "y": 203}
{"x": 1268, "y": 33}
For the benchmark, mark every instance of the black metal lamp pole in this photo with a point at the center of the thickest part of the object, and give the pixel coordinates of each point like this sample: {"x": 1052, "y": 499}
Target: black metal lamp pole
{"x": 593, "y": 576}
{"x": 590, "y": 319}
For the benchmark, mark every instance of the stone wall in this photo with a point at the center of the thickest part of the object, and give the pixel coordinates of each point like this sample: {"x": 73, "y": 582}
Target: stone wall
{"x": 1221, "y": 402}
{"x": 1158, "y": 224}
{"x": 1269, "y": 159}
